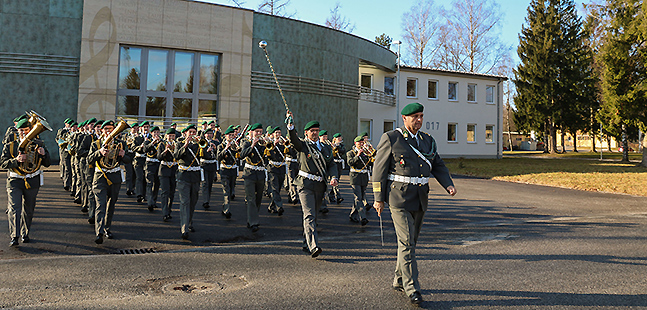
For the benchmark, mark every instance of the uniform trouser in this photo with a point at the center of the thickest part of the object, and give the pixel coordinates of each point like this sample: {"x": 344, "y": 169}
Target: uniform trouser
{"x": 358, "y": 212}
{"x": 188, "y": 192}
{"x": 334, "y": 193}
{"x": 275, "y": 182}
{"x": 207, "y": 185}
{"x": 167, "y": 193}
{"x": 310, "y": 204}
{"x": 78, "y": 179}
{"x": 130, "y": 177}
{"x": 152, "y": 183}
{"x": 253, "y": 197}
{"x": 61, "y": 166}
{"x": 407, "y": 228}
{"x": 140, "y": 176}
{"x": 67, "y": 171}
{"x": 106, "y": 198}
{"x": 21, "y": 203}
{"x": 228, "y": 183}
{"x": 292, "y": 189}
{"x": 89, "y": 201}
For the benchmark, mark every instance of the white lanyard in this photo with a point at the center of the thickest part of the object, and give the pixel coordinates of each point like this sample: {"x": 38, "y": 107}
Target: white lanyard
{"x": 416, "y": 150}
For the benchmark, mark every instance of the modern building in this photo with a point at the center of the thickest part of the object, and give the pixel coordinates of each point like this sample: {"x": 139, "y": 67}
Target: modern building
{"x": 188, "y": 61}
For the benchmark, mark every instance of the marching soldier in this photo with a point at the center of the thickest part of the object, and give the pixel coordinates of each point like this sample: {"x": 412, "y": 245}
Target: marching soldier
{"x": 150, "y": 148}
{"x": 228, "y": 158}
{"x": 359, "y": 163}
{"x": 130, "y": 169}
{"x": 276, "y": 168}
{"x": 201, "y": 132}
{"x": 23, "y": 160}
{"x": 62, "y": 140}
{"x": 84, "y": 142}
{"x": 254, "y": 173}
{"x": 315, "y": 166}
{"x": 189, "y": 176}
{"x": 77, "y": 177}
{"x": 339, "y": 152}
{"x": 140, "y": 161}
{"x": 167, "y": 173}
{"x": 323, "y": 138}
{"x": 292, "y": 162}
{"x": 406, "y": 159}
{"x": 107, "y": 154}
{"x": 209, "y": 164}
{"x": 12, "y": 132}
{"x": 61, "y": 134}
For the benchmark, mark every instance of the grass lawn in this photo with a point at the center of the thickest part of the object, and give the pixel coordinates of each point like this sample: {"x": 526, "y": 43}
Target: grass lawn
{"x": 582, "y": 174}
{"x": 605, "y": 155}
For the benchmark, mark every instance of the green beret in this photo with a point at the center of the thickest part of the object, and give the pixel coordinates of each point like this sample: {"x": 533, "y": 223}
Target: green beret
{"x": 358, "y": 138}
{"x": 107, "y": 123}
{"x": 217, "y": 126}
{"x": 237, "y": 127}
{"x": 99, "y": 123}
{"x": 144, "y": 123}
{"x": 323, "y": 132}
{"x": 273, "y": 129}
{"x": 74, "y": 124}
{"x": 134, "y": 125}
{"x": 171, "y": 131}
{"x": 173, "y": 124}
{"x": 412, "y": 108}
{"x": 208, "y": 130}
{"x": 155, "y": 128}
{"x": 92, "y": 120}
{"x": 23, "y": 123}
{"x": 20, "y": 118}
{"x": 337, "y": 135}
{"x": 69, "y": 121}
{"x": 204, "y": 123}
{"x": 81, "y": 124}
{"x": 268, "y": 128}
{"x": 66, "y": 120}
{"x": 211, "y": 122}
{"x": 189, "y": 127}
{"x": 363, "y": 134}
{"x": 255, "y": 126}
{"x": 229, "y": 130}
{"x": 311, "y": 124}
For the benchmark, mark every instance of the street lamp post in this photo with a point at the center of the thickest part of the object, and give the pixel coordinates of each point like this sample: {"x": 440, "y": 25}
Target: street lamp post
{"x": 397, "y": 94}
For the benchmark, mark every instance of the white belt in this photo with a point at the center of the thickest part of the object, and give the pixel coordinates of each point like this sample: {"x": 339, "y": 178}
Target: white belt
{"x": 257, "y": 168}
{"x": 97, "y": 169}
{"x": 294, "y": 160}
{"x": 338, "y": 160}
{"x": 410, "y": 180}
{"x": 140, "y": 155}
{"x": 208, "y": 161}
{"x": 190, "y": 168}
{"x": 26, "y": 176}
{"x": 310, "y": 176}
{"x": 153, "y": 160}
{"x": 277, "y": 163}
{"x": 363, "y": 171}
{"x": 169, "y": 163}
{"x": 223, "y": 165}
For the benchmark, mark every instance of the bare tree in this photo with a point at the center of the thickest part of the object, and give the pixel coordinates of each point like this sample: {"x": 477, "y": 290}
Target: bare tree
{"x": 505, "y": 68}
{"x": 275, "y": 7}
{"x": 238, "y": 3}
{"x": 338, "y": 22}
{"x": 471, "y": 36}
{"x": 421, "y": 30}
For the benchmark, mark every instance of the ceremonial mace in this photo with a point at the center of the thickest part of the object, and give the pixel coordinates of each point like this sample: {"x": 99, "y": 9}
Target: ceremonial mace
{"x": 263, "y": 45}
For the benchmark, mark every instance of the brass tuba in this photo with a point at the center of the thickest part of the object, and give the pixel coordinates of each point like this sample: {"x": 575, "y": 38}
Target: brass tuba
{"x": 111, "y": 160}
{"x": 28, "y": 147}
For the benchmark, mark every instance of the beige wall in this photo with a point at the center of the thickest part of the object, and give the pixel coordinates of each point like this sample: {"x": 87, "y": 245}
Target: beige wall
{"x": 173, "y": 24}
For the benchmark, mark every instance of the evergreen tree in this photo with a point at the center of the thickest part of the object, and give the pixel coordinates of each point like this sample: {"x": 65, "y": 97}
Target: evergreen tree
{"x": 553, "y": 81}
{"x": 384, "y": 40}
{"x": 624, "y": 54}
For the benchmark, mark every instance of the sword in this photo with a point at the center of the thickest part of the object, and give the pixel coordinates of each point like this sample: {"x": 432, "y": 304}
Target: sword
{"x": 381, "y": 230}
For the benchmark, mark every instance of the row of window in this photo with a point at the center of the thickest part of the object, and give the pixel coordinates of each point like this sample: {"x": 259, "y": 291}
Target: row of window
{"x": 452, "y": 91}
{"x": 452, "y": 130}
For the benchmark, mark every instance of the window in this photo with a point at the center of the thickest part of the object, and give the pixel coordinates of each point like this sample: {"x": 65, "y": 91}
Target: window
{"x": 165, "y": 84}
{"x": 366, "y": 126}
{"x": 451, "y": 132}
{"x": 489, "y": 133}
{"x": 388, "y": 126}
{"x": 452, "y": 88}
{"x": 388, "y": 85}
{"x": 471, "y": 92}
{"x": 366, "y": 83}
{"x": 489, "y": 94}
{"x": 432, "y": 89}
{"x": 471, "y": 133}
{"x": 412, "y": 88}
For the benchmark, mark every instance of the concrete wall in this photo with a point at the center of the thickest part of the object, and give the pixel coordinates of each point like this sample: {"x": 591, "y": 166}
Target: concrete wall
{"x": 39, "y": 56}
{"x": 172, "y": 24}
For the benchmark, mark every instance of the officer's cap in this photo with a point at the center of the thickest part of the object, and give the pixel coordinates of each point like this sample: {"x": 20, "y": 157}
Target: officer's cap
{"x": 134, "y": 125}
{"x": 144, "y": 123}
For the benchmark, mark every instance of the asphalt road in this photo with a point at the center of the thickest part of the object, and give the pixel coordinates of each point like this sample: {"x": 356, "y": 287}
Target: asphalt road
{"x": 495, "y": 245}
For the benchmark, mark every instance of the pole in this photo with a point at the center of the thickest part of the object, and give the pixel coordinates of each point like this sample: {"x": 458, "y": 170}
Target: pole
{"x": 601, "y": 148}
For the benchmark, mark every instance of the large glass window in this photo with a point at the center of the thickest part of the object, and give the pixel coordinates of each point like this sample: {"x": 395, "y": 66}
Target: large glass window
{"x": 471, "y": 92}
{"x": 175, "y": 85}
{"x": 388, "y": 84}
{"x": 452, "y": 89}
{"x": 412, "y": 88}
{"x": 432, "y": 89}
{"x": 451, "y": 132}
{"x": 388, "y": 126}
{"x": 471, "y": 133}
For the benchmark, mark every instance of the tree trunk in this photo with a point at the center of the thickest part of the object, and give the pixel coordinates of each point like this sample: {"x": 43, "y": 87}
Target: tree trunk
{"x": 609, "y": 143}
{"x": 643, "y": 142}
{"x": 552, "y": 148}
{"x": 575, "y": 142}
{"x": 593, "y": 142}
{"x": 563, "y": 136}
{"x": 625, "y": 145}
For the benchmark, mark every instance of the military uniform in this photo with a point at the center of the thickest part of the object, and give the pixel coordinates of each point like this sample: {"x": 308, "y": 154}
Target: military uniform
{"x": 77, "y": 179}
{"x": 88, "y": 202}
{"x": 339, "y": 153}
{"x": 359, "y": 177}
{"x": 401, "y": 179}
{"x": 276, "y": 168}
{"x": 315, "y": 166}
{"x": 255, "y": 175}
{"x": 189, "y": 176}
{"x": 209, "y": 164}
{"x": 61, "y": 136}
{"x": 293, "y": 170}
{"x": 139, "y": 165}
{"x": 106, "y": 184}
{"x": 150, "y": 148}
{"x": 131, "y": 177}
{"x": 22, "y": 188}
{"x": 167, "y": 177}
{"x": 228, "y": 159}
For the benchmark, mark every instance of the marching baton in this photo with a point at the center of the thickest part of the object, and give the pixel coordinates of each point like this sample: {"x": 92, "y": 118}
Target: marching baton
{"x": 263, "y": 45}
